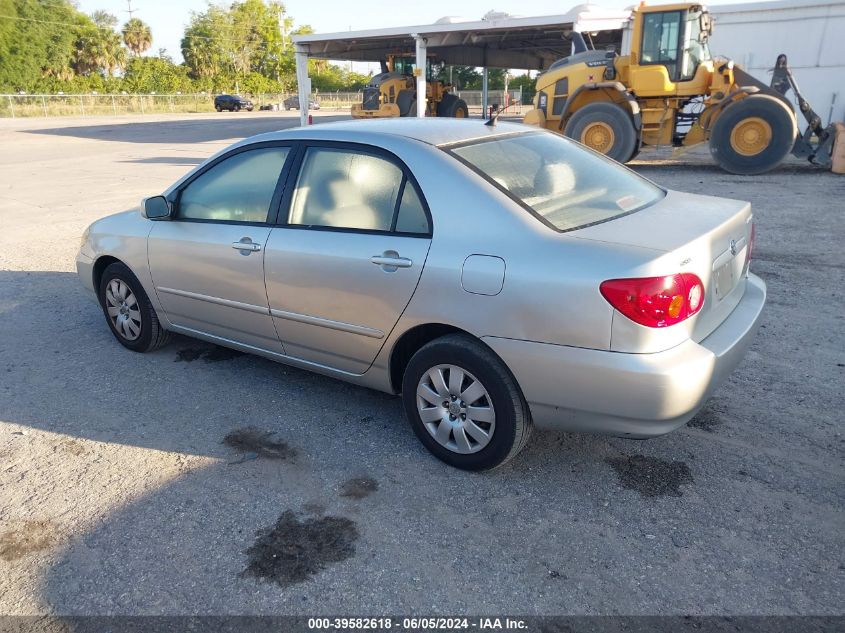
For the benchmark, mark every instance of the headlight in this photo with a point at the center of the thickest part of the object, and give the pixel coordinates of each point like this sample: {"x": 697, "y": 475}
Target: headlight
{"x": 84, "y": 239}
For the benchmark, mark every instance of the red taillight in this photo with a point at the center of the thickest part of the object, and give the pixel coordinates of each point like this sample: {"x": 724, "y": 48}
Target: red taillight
{"x": 656, "y": 301}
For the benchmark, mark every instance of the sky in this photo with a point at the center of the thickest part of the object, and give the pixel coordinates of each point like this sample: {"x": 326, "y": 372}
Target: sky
{"x": 168, "y": 18}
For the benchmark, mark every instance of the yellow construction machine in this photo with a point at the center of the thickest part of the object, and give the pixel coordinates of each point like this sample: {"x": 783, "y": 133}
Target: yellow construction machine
{"x": 664, "y": 88}
{"x": 393, "y": 92}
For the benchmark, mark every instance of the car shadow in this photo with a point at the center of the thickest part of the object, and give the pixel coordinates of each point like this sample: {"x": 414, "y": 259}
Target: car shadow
{"x": 186, "y": 130}
{"x": 239, "y": 444}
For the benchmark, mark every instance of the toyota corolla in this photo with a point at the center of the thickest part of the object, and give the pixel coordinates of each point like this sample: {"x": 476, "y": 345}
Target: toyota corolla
{"x": 497, "y": 277}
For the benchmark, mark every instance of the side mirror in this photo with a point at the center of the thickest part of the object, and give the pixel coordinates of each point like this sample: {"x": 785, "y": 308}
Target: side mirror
{"x": 705, "y": 23}
{"x": 155, "y": 208}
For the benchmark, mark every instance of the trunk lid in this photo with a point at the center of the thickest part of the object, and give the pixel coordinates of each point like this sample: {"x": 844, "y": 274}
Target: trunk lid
{"x": 688, "y": 233}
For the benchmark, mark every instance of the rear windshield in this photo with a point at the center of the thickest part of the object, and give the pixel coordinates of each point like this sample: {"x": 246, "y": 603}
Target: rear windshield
{"x": 565, "y": 185}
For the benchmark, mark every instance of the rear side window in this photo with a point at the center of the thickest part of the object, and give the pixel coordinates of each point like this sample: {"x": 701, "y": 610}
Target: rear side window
{"x": 349, "y": 189}
{"x": 343, "y": 189}
{"x": 238, "y": 189}
{"x": 565, "y": 185}
{"x": 412, "y": 217}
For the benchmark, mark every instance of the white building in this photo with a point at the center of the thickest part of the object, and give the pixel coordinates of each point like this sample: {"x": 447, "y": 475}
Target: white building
{"x": 810, "y": 32}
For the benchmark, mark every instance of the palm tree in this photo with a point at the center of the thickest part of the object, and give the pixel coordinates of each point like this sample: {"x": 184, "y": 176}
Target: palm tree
{"x": 137, "y": 36}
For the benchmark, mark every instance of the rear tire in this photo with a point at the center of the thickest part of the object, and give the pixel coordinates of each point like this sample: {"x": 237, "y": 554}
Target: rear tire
{"x": 236, "y": 108}
{"x": 496, "y": 422}
{"x": 128, "y": 311}
{"x": 753, "y": 135}
{"x": 606, "y": 128}
{"x": 218, "y": 108}
{"x": 452, "y": 106}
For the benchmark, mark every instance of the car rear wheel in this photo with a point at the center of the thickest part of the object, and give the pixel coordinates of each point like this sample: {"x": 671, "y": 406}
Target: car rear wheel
{"x": 605, "y": 128}
{"x": 218, "y": 108}
{"x": 128, "y": 311}
{"x": 464, "y": 405}
{"x": 236, "y": 107}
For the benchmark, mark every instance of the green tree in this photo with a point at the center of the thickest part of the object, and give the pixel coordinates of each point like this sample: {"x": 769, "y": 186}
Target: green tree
{"x": 36, "y": 46}
{"x": 97, "y": 47}
{"x": 137, "y": 36}
{"x": 154, "y": 74}
{"x": 528, "y": 85}
{"x": 223, "y": 46}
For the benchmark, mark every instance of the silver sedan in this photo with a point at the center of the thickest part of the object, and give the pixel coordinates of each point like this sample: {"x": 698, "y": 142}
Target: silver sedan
{"x": 498, "y": 277}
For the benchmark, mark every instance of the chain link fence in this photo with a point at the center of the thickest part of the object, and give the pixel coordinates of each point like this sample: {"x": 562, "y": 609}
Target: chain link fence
{"x": 46, "y": 105}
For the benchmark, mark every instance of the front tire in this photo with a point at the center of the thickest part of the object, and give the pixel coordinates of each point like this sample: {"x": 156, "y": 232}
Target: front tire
{"x": 606, "y": 128}
{"x": 236, "y": 108}
{"x": 464, "y": 405}
{"x": 218, "y": 108}
{"x": 753, "y": 135}
{"x": 128, "y": 311}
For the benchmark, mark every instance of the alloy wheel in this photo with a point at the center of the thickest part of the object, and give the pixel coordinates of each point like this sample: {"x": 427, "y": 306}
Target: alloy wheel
{"x": 122, "y": 308}
{"x": 456, "y": 409}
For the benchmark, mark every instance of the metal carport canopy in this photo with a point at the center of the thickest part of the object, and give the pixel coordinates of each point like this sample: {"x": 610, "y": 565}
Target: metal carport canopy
{"x": 531, "y": 43}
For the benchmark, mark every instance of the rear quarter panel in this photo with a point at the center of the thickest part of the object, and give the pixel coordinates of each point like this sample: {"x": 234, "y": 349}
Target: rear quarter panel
{"x": 550, "y": 291}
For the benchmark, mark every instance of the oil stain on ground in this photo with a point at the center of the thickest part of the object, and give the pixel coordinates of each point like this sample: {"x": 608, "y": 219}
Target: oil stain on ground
{"x": 292, "y": 550}
{"x": 213, "y": 354}
{"x": 358, "y": 487}
{"x": 31, "y": 536}
{"x": 251, "y": 440}
{"x": 708, "y": 418}
{"x": 651, "y": 477}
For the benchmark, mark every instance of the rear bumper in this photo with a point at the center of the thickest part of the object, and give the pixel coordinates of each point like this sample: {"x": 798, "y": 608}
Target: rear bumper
{"x": 630, "y": 395}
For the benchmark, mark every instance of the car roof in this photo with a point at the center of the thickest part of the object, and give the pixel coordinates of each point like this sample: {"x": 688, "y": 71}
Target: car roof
{"x": 434, "y": 131}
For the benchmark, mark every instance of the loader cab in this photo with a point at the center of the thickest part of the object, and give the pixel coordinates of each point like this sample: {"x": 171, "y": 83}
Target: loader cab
{"x": 674, "y": 37}
{"x": 407, "y": 64}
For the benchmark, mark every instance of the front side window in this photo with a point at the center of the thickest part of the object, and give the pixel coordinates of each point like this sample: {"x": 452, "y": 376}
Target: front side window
{"x": 695, "y": 48}
{"x": 565, "y": 185}
{"x": 353, "y": 190}
{"x": 238, "y": 189}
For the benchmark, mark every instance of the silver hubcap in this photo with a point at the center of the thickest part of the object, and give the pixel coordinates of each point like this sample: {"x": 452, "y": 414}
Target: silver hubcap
{"x": 456, "y": 409}
{"x": 122, "y": 307}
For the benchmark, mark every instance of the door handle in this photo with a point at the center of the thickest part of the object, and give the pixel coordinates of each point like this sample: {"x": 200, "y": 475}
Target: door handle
{"x": 390, "y": 261}
{"x": 246, "y": 246}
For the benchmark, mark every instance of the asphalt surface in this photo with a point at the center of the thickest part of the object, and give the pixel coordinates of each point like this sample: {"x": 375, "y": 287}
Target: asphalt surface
{"x": 200, "y": 480}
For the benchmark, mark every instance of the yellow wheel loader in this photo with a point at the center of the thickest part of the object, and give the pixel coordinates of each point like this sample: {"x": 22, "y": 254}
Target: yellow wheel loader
{"x": 393, "y": 92}
{"x": 665, "y": 89}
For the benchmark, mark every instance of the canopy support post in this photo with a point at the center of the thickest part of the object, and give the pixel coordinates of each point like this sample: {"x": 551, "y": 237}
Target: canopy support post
{"x": 303, "y": 82}
{"x": 422, "y": 104}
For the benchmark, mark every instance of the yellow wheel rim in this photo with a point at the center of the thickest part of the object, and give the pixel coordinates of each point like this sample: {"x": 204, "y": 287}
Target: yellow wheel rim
{"x": 751, "y": 136}
{"x": 459, "y": 113}
{"x": 598, "y": 136}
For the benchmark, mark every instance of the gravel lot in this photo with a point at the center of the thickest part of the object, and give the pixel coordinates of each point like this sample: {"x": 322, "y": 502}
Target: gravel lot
{"x": 175, "y": 482}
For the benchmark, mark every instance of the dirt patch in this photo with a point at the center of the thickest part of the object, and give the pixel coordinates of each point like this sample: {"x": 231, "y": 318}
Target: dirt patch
{"x": 72, "y": 446}
{"x": 358, "y": 487}
{"x": 651, "y": 477}
{"x": 31, "y": 536}
{"x": 292, "y": 550}
{"x": 251, "y": 440}
{"x": 208, "y": 354}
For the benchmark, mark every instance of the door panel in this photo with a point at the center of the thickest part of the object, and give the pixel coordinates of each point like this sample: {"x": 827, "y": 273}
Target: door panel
{"x": 207, "y": 263}
{"x": 206, "y": 283}
{"x": 330, "y": 302}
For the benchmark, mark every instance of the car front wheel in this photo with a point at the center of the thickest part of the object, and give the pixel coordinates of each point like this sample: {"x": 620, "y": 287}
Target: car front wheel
{"x": 129, "y": 313}
{"x": 464, "y": 405}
